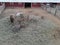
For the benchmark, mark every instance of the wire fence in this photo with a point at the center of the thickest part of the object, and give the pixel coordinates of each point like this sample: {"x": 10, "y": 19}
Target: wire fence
{"x": 52, "y": 10}
{"x": 2, "y": 8}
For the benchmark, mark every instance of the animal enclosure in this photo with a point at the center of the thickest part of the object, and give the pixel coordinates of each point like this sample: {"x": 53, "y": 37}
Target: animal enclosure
{"x": 38, "y": 27}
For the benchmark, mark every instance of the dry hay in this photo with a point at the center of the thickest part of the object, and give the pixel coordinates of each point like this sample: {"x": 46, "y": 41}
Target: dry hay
{"x": 36, "y": 33}
{"x": 56, "y": 33}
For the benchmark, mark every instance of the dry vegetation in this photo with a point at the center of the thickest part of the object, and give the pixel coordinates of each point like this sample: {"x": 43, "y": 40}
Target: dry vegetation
{"x": 41, "y": 30}
{"x": 36, "y": 33}
{"x": 56, "y": 33}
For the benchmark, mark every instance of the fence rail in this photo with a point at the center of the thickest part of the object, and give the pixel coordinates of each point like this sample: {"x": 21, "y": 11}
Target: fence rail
{"x": 2, "y": 7}
{"x": 52, "y": 10}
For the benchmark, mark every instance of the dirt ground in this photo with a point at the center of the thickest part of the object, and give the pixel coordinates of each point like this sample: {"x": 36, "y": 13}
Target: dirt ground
{"x": 30, "y": 35}
{"x": 32, "y": 11}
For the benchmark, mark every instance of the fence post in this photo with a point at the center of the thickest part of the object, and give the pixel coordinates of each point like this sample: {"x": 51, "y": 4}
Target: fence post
{"x": 49, "y": 9}
{"x": 55, "y": 11}
{"x": 46, "y": 7}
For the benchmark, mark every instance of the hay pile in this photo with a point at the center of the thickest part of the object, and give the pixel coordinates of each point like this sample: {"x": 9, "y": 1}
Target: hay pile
{"x": 36, "y": 33}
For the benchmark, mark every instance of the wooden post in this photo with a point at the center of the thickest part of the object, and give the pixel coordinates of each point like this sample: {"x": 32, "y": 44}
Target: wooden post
{"x": 55, "y": 11}
{"x": 49, "y": 9}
